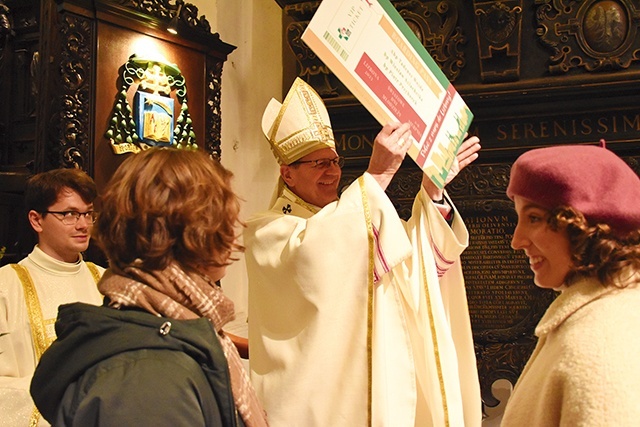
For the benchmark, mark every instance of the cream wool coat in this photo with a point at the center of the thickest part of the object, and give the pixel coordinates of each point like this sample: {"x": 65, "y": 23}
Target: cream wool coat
{"x": 308, "y": 296}
{"x": 585, "y": 369}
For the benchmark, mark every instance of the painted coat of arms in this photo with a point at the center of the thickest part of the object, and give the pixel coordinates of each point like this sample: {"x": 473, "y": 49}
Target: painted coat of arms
{"x": 152, "y": 122}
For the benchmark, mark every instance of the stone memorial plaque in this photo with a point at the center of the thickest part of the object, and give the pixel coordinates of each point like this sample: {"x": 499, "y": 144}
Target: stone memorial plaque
{"x": 499, "y": 282}
{"x": 504, "y": 303}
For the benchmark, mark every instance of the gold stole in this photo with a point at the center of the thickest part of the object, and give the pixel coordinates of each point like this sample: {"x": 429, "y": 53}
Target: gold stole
{"x": 38, "y": 328}
{"x": 370, "y": 286}
{"x": 371, "y": 244}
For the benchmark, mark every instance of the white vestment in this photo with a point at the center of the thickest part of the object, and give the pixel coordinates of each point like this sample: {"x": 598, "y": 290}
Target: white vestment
{"x": 311, "y": 272}
{"x": 56, "y": 283}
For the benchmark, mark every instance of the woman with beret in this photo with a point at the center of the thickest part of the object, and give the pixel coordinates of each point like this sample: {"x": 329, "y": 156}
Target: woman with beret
{"x": 578, "y": 223}
{"x": 156, "y": 353}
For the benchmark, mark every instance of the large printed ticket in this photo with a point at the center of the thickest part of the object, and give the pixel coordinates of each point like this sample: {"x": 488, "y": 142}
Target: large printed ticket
{"x": 370, "y": 48}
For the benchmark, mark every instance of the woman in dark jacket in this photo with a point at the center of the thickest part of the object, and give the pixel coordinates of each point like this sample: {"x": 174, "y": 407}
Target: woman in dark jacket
{"x": 155, "y": 354}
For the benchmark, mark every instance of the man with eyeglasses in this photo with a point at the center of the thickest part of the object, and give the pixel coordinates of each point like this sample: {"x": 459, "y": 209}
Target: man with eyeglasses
{"x": 356, "y": 318}
{"x": 59, "y": 205}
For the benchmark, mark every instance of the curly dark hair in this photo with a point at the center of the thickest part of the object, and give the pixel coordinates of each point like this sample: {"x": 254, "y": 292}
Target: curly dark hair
{"x": 164, "y": 205}
{"x": 596, "y": 250}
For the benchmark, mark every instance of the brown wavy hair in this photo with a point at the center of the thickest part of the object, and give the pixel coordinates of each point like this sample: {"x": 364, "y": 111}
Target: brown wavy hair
{"x": 43, "y": 189}
{"x": 597, "y": 251}
{"x": 164, "y": 205}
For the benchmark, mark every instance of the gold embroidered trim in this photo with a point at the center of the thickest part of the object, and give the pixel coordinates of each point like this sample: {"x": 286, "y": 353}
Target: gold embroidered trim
{"x": 39, "y": 331}
{"x": 436, "y": 349}
{"x": 35, "y": 417}
{"x": 36, "y": 320}
{"x": 370, "y": 284}
{"x": 306, "y": 205}
{"x": 298, "y": 142}
{"x": 94, "y": 271}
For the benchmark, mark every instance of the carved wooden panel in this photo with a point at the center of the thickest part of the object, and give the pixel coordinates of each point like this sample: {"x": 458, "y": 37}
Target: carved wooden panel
{"x": 593, "y": 35}
{"x": 435, "y": 23}
{"x": 19, "y": 26}
{"x": 499, "y": 32}
{"x": 69, "y": 139}
{"x": 59, "y": 71}
{"x": 18, "y": 83}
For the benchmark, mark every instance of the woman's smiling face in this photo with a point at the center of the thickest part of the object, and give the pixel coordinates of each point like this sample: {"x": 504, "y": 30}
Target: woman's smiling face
{"x": 549, "y": 251}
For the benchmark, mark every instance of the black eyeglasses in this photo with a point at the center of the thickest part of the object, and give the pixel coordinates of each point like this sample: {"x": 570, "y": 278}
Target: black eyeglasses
{"x": 72, "y": 217}
{"x": 323, "y": 163}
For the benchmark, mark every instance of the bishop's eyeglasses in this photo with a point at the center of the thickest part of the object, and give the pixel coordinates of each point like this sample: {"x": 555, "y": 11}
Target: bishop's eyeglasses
{"x": 323, "y": 163}
{"x": 72, "y": 217}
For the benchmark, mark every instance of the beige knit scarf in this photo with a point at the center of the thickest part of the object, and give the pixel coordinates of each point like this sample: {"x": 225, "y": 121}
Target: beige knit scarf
{"x": 176, "y": 294}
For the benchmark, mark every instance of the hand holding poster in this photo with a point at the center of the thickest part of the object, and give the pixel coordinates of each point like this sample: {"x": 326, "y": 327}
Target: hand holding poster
{"x": 370, "y": 48}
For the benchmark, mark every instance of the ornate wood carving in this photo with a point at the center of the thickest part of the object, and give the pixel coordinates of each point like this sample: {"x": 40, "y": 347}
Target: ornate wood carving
{"x": 6, "y": 28}
{"x": 69, "y": 144}
{"x": 49, "y": 76}
{"x": 165, "y": 10}
{"x": 499, "y": 32}
{"x": 310, "y": 67}
{"x": 19, "y": 25}
{"x": 161, "y": 9}
{"x": 6, "y": 33}
{"x": 435, "y": 23}
{"x": 593, "y": 35}
{"x": 18, "y": 85}
{"x": 213, "y": 116}
{"x": 47, "y": 85}
{"x": 70, "y": 124}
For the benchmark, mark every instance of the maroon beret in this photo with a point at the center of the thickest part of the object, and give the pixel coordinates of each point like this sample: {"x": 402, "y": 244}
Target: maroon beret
{"x": 590, "y": 179}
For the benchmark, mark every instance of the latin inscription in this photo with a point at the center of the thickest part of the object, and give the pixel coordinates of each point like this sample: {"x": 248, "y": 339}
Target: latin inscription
{"x": 499, "y": 282}
{"x": 354, "y": 143}
{"x": 543, "y": 129}
{"x": 617, "y": 126}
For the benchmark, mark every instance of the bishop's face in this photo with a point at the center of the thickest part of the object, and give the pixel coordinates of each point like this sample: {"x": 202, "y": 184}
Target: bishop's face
{"x": 314, "y": 182}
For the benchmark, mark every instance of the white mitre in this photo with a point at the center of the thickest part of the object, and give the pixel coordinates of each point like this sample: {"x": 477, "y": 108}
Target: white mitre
{"x": 298, "y": 126}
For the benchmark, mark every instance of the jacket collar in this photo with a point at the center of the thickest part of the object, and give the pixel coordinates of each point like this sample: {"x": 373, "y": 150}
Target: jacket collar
{"x": 573, "y": 298}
